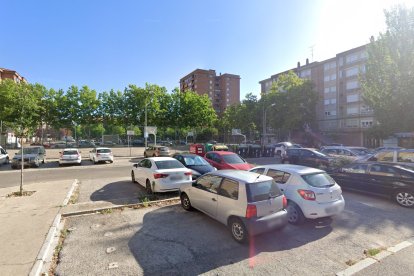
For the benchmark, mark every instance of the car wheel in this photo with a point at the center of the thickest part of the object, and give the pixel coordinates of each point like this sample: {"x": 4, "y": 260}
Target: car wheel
{"x": 238, "y": 230}
{"x": 295, "y": 214}
{"x": 145, "y": 155}
{"x": 405, "y": 198}
{"x": 154, "y": 155}
{"x": 7, "y": 160}
{"x": 133, "y": 177}
{"x": 37, "y": 164}
{"x": 148, "y": 187}
{"x": 94, "y": 161}
{"x": 279, "y": 153}
{"x": 185, "y": 203}
{"x": 43, "y": 161}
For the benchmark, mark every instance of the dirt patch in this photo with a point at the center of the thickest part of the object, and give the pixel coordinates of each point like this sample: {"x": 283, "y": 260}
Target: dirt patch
{"x": 23, "y": 193}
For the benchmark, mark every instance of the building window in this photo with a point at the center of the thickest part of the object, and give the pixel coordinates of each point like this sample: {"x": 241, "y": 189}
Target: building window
{"x": 305, "y": 73}
{"x": 330, "y": 65}
{"x": 352, "y": 110}
{"x": 351, "y": 123}
{"x": 352, "y": 84}
{"x": 330, "y": 77}
{"x": 329, "y": 101}
{"x": 351, "y": 72}
{"x": 330, "y": 113}
{"x": 366, "y": 123}
{"x": 352, "y": 98}
{"x": 351, "y": 57}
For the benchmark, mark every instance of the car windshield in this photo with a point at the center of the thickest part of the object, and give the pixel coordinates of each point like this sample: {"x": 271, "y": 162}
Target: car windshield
{"x": 103, "y": 151}
{"x": 168, "y": 164}
{"x": 70, "y": 152}
{"x": 163, "y": 148}
{"x": 319, "y": 180}
{"x": 260, "y": 191}
{"x": 360, "y": 151}
{"x": 233, "y": 159}
{"x": 29, "y": 151}
{"x": 195, "y": 161}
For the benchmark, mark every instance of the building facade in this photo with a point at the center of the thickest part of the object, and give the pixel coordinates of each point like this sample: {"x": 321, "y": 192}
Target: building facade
{"x": 223, "y": 90}
{"x": 11, "y": 74}
{"x": 342, "y": 115}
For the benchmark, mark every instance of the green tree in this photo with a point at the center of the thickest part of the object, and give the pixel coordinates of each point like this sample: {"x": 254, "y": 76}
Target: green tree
{"x": 388, "y": 84}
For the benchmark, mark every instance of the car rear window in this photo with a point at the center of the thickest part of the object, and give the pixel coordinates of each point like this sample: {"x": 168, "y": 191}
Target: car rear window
{"x": 163, "y": 148}
{"x": 260, "y": 191}
{"x": 233, "y": 159}
{"x": 70, "y": 152}
{"x": 168, "y": 164}
{"x": 319, "y": 180}
{"x": 103, "y": 151}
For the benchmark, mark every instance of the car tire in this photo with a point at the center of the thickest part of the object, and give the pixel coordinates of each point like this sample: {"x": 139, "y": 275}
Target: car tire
{"x": 404, "y": 198}
{"x": 94, "y": 161}
{"x": 148, "y": 187}
{"x": 185, "y": 203}
{"x": 43, "y": 161}
{"x": 154, "y": 155}
{"x": 238, "y": 231}
{"x": 295, "y": 214}
{"x": 133, "y": 177}
{"x": 145, "y": 155}
{"x": 7, "y": 160}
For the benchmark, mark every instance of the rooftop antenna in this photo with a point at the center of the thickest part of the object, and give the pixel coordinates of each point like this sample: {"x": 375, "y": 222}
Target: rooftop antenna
{"x": 312, "y": 48}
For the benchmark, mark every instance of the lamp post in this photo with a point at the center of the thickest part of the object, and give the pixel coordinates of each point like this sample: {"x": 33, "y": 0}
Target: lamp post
{"x": 145, "y": 127}
{"x": 264, "y": 122}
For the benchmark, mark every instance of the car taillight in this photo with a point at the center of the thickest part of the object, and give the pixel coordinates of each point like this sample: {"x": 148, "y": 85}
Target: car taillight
{"x": 307, "y": 195}
{"x": 188, "y": 173}
{"x": 160, "y": 175}
{"x": 284, "y": 199}
{"x": 251, "y": 211}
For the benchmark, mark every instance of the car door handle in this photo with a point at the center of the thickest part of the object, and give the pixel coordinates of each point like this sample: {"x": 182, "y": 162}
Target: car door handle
{"x": 213, "y": 199}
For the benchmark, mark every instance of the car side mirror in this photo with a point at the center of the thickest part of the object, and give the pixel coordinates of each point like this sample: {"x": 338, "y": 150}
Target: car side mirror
{"x": 136, "y": 165}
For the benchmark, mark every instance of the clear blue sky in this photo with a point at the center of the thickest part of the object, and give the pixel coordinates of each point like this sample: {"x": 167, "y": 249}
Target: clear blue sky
{"x": 110, "y": 44}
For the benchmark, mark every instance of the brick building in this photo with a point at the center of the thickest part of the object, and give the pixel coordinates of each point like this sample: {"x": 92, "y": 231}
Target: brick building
{"x": 11, "y": 74}
{"x": 223, "y": 90}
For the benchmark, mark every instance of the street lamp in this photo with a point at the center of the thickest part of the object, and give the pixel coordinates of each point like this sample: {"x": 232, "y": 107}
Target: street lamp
{"x": 264, "y": 122}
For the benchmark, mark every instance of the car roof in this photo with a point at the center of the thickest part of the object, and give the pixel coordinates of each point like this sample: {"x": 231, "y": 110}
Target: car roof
{"x": 70, "y": 149}
{"x": 240, "y": 175}
{"x": 186, "y": 154}
{"x": 289, "y": 168}
{"x": 102, "y": 148}
{"x": 222, "y": 152}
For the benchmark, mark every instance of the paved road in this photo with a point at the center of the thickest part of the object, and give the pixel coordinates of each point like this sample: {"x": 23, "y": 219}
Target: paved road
{"x": 169, "y": 240}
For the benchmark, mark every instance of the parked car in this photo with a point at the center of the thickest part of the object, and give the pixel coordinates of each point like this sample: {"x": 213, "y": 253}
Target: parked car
{"x": 280, "y": 148}
{"x": 156, "y": 151}
{"x": 166, "y": 143}
{"x": 4, "y": 156}
{"x": 197, "y": 164}
{"x": 353, "y": 152}
{"x": 311, "y": 193}
{"x": 70, "y": 156}
{"x": 160, "y": 174}
{"x": 138, "y": 143}
{"x": 307, "y": 157}
{"x": 384, "y": 179}
{"x": 403, "y": 157}
{"x": 361, "y": 151}
{"x": 387, "y": 148}
{"x": 33, "y": 156}
{"x": 222, "y": 160}
{"x": 97, "y": 155}
{"x": 248, "y": 203}
{"x": 86, "y": 144}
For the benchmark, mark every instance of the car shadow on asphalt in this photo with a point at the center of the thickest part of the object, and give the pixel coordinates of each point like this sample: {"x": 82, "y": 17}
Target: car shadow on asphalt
{"x": 191, "y": 243}
{"x": 126, "y": 192}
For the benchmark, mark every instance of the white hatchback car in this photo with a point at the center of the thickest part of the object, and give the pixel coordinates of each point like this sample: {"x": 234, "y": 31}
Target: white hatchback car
{"x": 160, "y": 174}
{"x": 4, "y": 156}
{"x": 248, "y": 203}
{"x": 101, "y": 155}
{"x": 70, "y": 156}
{"x": 311, "y": 193}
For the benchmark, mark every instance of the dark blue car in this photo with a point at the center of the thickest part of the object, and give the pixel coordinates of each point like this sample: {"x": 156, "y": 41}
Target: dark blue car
{"x": 197, "y": 164}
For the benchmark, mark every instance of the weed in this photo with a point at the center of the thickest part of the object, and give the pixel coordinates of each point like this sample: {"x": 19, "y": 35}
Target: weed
{"x": 106, "y": 211}
{"x": 373, "y": 251}
{"x": 351, "y": 262}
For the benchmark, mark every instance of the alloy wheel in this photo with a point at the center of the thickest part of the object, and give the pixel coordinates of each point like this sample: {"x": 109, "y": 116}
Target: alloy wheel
{"x": 237, "y": 230}
{"x": 405, "y": 199}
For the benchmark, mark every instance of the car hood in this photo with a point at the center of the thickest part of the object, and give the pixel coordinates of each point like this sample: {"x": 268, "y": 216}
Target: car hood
{"x": 202, "y": 169}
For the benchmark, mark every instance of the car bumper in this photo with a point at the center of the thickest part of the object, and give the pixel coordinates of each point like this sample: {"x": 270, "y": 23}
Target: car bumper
{"x": 164, "y": 186}
{"x": 70, "y": 161}
{"x": 18, "y": 164}
{"x": 313, "y": 210}
{"x": 102, "y": 159}
{"x": 267, "y": 223}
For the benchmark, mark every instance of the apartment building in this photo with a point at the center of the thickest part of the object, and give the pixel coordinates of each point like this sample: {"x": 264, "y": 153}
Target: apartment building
{"x": 11, "y": 74}
{"x": 341, "y": 113}
{"x": 223, "y": 90}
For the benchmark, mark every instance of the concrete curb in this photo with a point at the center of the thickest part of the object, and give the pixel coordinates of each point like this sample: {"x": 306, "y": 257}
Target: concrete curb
{"x": 50, "y": 237}
{"x": 117, "y": 207}
{"x": 375, "y": 259}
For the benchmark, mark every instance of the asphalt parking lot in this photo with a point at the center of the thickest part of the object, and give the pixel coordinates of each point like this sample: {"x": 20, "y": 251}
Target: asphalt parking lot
{"x": 169, "y": 240}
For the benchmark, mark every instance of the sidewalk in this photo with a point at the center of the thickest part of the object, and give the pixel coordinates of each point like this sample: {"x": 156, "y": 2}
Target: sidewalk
{"x": 25, "y": 222}
{"x": 399, "y": 263}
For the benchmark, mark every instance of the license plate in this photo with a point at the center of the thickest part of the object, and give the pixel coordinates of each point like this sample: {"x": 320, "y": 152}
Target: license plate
{"x": 176, "y": 178}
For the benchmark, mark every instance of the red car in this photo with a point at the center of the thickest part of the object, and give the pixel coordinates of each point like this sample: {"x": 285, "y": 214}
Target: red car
{"x": 223, "y": 160}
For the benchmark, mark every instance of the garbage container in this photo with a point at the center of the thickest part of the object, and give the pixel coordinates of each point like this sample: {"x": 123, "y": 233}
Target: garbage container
{"x": 209, "y": 147}
{"x": 197, "y": 149}
{"x": 268, "y": 151}
{"x": 254, "y": 151}
{"x": 243, "y": 150}
{"x": 220, "y": 148}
